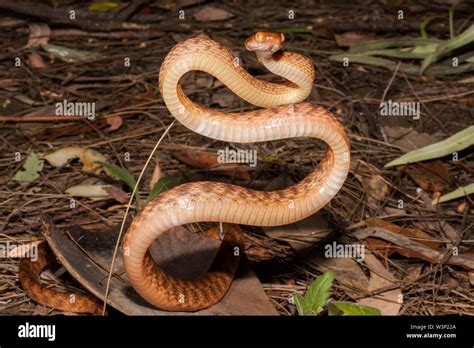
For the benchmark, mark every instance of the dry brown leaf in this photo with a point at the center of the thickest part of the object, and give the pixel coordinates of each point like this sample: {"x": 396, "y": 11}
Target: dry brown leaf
{"x": 461, "y": 207}
{"x": 440, "y": 226}
{"x": 6, "y": 83}
{"x": 39, "y": 34}
{"x": 449, "y": 282}
{"x": 413, "y": 272}
{"x": 35, "y": 61}
{"x": 412, "y": 233}
{"x": 24, "y": 99}
{"x": 394, "y": 211}
{"x": 376, "y": 188}
{"x": 117, "y": 194}
{"x": 157, "y": 174}
{"x": 408, "y": 138}
{"x": 347, "y": 272}
{"x": 115, "y": 122}
{"x": 207, "y": 160}
{"x": 351, "y": 38}
{"x": 389, "y": 302}
{"x": 211, "y": 13}
{"x": 430, "y": 176}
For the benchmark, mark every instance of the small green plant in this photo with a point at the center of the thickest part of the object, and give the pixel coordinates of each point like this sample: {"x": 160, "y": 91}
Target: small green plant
{"x": 32, "y": 167}
{"x": 128, "y": 178}
{"x": 316, "y": 300}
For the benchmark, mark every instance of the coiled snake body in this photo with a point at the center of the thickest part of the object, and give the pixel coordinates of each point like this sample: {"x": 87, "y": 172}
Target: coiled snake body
{"x": 286, "y": 117}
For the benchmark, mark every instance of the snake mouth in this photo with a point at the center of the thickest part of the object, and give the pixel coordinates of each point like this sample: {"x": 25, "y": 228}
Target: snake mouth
{"x": 263, "y": 41}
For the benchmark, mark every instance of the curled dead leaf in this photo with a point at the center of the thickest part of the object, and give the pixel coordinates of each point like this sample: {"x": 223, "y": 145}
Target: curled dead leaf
{"x": 430, "y": 175}
{"x": 208, "y": 160}
{"x": 88, "y": 157}
{"x": 388, "y": 302}
{"x": 115, "y": 122}
{"x": 39, "y": 34}
{"x": 211, "y": 13}
{"x": 389, "y": 248}
{"x": 117, "y": 194}
{"x": 351, "y": 38}
{"x": 157, "y": 174}
{"x": 35, "y": 61}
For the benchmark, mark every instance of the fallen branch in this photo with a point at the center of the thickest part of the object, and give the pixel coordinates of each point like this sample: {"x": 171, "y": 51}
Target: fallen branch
{"x": 422, "y": 251}
{"x": 86, "y": 20}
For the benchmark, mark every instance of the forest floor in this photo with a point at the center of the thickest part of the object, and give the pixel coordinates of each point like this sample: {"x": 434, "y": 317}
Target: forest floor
{"x": 121, "y": 78}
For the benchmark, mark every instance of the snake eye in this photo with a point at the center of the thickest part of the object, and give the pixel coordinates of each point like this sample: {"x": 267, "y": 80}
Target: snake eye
{"x": 259, "y": 37}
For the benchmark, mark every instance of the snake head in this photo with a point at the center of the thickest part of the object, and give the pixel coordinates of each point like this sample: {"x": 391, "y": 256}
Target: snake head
{"x": 265, "y": 42}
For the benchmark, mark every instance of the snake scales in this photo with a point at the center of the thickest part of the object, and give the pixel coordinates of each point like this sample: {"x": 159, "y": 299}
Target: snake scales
{"x": 29, "y": 275}
{"x": 285, "y": 117}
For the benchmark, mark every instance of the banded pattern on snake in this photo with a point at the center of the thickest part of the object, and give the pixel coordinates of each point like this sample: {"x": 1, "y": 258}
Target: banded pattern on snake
{"x": 285, "y": 117}
{"x": 29, "y": 276}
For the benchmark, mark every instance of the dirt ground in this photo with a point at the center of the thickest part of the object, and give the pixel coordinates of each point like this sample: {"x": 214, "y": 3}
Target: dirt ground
{"x": 131, "y": 117}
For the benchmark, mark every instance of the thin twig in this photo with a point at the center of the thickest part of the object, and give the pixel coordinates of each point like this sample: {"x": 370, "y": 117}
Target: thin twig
{"x": 109, "y": 278}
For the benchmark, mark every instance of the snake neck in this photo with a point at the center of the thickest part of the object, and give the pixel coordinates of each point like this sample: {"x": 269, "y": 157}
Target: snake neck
{"x": 296, "y": 68}
{"x": 211, "y": 57}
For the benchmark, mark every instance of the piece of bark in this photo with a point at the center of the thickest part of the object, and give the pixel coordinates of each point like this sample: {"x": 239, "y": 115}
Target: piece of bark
{"x": 87, "y": 257}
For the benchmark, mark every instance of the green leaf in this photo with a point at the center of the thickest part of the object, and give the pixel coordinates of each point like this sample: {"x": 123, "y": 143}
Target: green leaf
{"x": 70, "y": 55}
{"x": 163, "y": 184}
{"x": 317, "y": 295}
{"x": 33, "y": 165}
{"x": 124, "y": 175}
{"x": 425, "y": 23}
{"x": 370, "y": 60}
{"x": 460, "y": 192}
{"x": 448, "y": 46}
{"x": 300, "y": 304}
{"x": 388, "y": 43}
{"x": 103, "y": 6}
{"x": 345, "y": 308}
{"x": 456, "y": 142}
